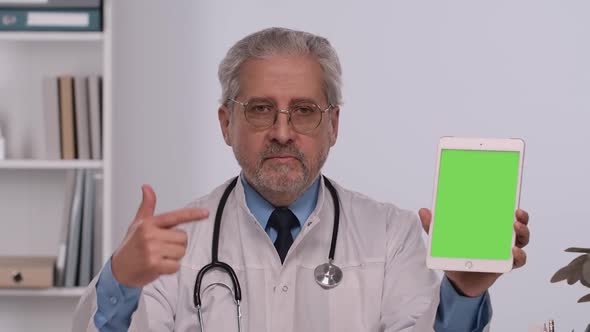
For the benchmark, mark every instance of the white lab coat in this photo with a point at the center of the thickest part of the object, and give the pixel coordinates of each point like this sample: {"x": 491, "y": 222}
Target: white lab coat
{"x": 386, "y": 284}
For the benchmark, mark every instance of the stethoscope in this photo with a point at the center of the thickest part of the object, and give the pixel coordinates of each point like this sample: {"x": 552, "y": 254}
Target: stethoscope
{"x": 327, "y": 275}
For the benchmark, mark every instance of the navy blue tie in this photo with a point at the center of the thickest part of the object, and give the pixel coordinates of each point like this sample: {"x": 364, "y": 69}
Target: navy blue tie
{"x": 283, "y": 221}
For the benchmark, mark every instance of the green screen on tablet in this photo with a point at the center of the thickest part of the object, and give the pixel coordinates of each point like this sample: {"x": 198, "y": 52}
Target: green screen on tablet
{"x": 475, "y": 204}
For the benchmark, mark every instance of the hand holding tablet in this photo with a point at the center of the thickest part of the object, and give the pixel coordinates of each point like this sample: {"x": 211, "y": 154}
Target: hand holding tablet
{"x": 476, "y": 194}
{"x": 471, "y": 204}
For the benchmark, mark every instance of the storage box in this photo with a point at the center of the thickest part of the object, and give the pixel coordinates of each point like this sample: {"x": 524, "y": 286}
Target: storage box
{"x": 26, "y": 271}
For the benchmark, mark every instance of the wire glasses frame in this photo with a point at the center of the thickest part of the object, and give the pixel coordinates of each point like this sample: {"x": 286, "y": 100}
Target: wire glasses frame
{"x": 304, "y": 117}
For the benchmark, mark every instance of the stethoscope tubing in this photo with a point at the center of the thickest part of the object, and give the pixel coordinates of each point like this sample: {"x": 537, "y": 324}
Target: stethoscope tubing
{"x": 336, "y": 201}
{"x": 215, "y": 263}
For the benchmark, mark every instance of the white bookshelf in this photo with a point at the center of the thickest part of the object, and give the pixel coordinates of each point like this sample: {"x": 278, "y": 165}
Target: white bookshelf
{"x": 52, "y": 36}
{"x": 32, "y": 190}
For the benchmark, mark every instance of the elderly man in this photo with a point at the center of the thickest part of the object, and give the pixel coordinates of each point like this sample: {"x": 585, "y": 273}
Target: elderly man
{"x": 280, "y": 113}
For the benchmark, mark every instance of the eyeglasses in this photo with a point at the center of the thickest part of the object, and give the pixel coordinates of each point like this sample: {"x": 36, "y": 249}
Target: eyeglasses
{"x": 263, "y": 113}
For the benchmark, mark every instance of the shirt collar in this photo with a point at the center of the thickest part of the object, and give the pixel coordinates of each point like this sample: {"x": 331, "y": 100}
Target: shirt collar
{"x": 262, "y": 209}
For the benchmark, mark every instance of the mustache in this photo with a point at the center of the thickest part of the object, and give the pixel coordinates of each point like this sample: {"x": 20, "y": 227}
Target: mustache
{"x": 276, "y": 149}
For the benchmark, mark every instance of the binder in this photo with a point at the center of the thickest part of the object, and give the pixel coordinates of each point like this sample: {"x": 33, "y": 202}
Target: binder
{"x": 82, "y": 121}
{"x": 60, "y": 264}
{"x": 50, "y": 20}
{"x": 97, "y": 231}
{"x": 95, "y": 108}
{"x": 67, "y": 120}
{"x": 50, "y": 3}
{"x": 51, "y": 117}
{"x": 85, "y": 265}
{"x": 74, "y": 232}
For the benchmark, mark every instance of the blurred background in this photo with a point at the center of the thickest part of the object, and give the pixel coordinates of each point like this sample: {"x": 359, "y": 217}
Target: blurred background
{"x": 413, "y": 71}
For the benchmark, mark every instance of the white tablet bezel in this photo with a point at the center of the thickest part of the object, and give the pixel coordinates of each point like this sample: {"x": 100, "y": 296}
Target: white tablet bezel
{"x": 481, "y": 144}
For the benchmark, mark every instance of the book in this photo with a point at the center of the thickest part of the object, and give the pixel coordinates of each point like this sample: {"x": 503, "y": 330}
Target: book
{"x": 82, "y": 118}
{"x": 66, "y": 107}
{"x": 50, "y": 3}
{"x": 74, "y": 231}
{"x": 50, "y": 20}
{"x": 52, "y": 149}
{"x": 85, "y": 259}
{"x": 95, "y": 108}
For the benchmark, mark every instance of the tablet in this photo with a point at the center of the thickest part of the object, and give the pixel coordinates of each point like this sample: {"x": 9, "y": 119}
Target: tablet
{"x": 476, "y": 194}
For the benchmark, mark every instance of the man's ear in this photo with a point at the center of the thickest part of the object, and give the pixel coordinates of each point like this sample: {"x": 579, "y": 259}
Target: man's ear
{"x": 334, "y": 117}
{"x": 224, "y": 115}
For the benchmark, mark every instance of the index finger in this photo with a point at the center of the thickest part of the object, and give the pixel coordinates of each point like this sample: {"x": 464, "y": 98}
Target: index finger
{"x": 176, "y": 217}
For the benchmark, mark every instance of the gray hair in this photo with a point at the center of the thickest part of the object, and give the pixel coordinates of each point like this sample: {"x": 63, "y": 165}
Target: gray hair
{"x": 281, "y": 41}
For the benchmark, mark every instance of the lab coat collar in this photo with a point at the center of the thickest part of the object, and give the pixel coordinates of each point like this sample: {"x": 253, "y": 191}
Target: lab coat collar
{"x": 320, "y": 213}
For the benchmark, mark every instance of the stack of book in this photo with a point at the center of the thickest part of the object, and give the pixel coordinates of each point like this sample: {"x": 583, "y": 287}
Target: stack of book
{"x": 51, "y": 15}
{"x": 73, "y": 117}
{"x": 79, "y": 253}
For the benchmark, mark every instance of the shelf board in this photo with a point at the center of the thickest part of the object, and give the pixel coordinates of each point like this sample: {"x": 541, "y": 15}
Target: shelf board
{"x": 51, "y": 36}
{"x": 46, "y": 292}
{"x": 50, "y": 164}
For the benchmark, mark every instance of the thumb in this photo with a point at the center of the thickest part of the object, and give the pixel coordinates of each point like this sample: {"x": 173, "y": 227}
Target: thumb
{"x": 425, "y": 218}
{"x": 148, "y": 203}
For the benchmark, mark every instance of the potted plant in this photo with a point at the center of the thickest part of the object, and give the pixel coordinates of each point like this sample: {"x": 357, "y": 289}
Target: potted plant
{"x": 577, "y": 270}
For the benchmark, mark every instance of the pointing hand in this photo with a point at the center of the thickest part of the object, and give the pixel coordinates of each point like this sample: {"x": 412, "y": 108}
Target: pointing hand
{"x": 152, "y": 245}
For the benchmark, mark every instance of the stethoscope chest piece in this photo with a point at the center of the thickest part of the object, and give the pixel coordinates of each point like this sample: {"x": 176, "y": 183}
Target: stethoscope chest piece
{"x": 328, "y": 275}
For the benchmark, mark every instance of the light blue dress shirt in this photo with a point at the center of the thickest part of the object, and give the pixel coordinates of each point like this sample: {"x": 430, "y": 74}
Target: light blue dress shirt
{"x": 116, "y": 302}
{"x": 262, "y": 209}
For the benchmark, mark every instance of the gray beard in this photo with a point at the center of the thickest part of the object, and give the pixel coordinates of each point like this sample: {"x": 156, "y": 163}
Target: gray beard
{"x": 273, "y": 179}
{"x": 277, "y": 181}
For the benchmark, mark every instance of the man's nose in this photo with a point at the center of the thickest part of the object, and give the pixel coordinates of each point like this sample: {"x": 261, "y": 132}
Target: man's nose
{"x": 282, "y": 131}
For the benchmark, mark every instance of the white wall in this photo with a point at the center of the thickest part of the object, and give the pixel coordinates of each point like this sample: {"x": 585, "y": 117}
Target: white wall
{"x": 413, "y": 71}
